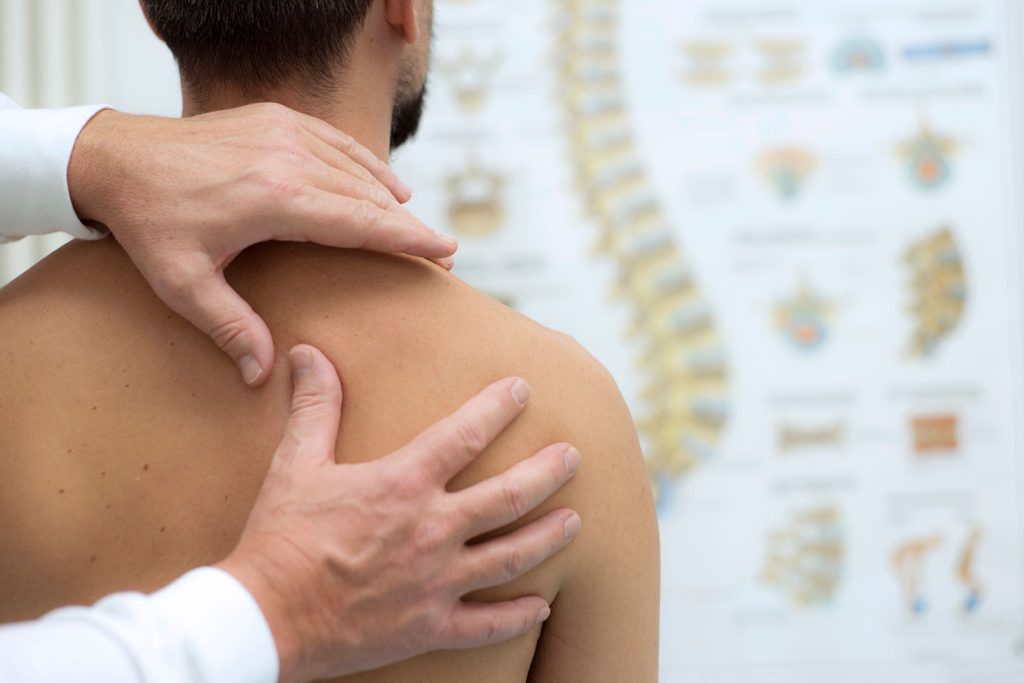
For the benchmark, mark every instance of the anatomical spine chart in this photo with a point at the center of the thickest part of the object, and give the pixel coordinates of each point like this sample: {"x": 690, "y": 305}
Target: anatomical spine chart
{"x": 790, "y": 229}
{"x": 683, "y": 359}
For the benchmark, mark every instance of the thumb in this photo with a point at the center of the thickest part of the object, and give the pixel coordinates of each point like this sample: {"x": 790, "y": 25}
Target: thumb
{"x": 214, "y": 307}
{"x": 312, "y": 429}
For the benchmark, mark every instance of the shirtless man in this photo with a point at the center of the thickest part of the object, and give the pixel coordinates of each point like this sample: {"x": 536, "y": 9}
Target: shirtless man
{"x": 111, "y": 409}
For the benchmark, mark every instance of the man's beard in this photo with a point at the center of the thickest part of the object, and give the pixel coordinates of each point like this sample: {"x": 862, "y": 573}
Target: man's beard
{"x": 405, "y": 119}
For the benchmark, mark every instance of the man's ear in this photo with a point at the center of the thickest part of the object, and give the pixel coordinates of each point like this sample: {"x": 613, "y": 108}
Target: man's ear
{"x": 149, "y": 21}
{"x": 401, "y": 14}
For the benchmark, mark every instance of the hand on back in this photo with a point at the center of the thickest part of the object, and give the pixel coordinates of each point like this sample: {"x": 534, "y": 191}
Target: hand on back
{"x": 185, "y": 196}
{"x": 357, "y": 566}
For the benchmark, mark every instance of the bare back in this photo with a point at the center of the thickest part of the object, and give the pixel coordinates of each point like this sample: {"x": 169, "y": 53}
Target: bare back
{"x": 130, "y": 452}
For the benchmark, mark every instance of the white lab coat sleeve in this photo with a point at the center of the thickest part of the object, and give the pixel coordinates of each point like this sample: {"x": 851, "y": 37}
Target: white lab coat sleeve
{"x": 35, "y": 150}
{"x": 203, "y": 628}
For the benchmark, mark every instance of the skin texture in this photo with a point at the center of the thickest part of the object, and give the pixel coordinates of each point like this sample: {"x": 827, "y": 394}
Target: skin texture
{"x": 132, "y": 453}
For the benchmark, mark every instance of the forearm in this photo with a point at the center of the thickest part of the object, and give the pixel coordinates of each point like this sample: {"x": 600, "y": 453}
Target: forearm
{"x": 35, "y": 149}
{"x": 204, "y": 627}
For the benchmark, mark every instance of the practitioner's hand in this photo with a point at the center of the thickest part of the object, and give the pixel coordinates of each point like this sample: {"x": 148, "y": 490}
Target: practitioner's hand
{"x": 359, "y": 566}
{"x": 185, "y": 196}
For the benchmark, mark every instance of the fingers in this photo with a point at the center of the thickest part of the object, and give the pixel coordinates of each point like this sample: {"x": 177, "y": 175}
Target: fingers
{"x": 336, "y": 167}
{"x": 446, "y": 263}
{"x": 478, "y": 624}
{"x": 368, "y": 227}
{"x": 447, "y": 447}
{"x": 312, "y": 428}
{"x": 330, "y": 179}
{"x": 505, "y": 498}
{"x": 209, "y": 303}
{"x": 498, "y": 561}
{"x": 342, "y": 174}
{"x": 360, "y": 154}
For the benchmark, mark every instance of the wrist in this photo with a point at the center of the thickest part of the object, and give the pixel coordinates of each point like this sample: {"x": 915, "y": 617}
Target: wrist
{"x": 255, "y": 579}
{"x": 94, "y": 168}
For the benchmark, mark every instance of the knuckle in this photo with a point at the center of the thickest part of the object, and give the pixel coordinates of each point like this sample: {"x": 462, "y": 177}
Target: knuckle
{"x": 280, "y": 187}
{"x": 229, "y": 334}
{"x": 177, "y": 285}
{"x": 290, "y": 155}
{"x": 402, "y": 481}
{"x": 515, "y": 563}
{"x": 272, "y": 110}
{"x": 469, "y": 435}
{"x": 366, "y": 213}
{"x": 409, "y": 482}
{"x": 347, "y": 144}
{"x": 181, "y": 282}
{"x": 515, "y": 499}
{"x": 380, "y": 197}
{"x": 279, "y": 116}
{"x": 493, "y": 628}
{"x": 282, "y": 155}
{"x": 431, "y": 535}
{"x": 309, "y": 400}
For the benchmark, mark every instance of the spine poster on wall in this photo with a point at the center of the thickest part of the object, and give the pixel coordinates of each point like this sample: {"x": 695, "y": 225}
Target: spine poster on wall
{"x": 790, "y": 229}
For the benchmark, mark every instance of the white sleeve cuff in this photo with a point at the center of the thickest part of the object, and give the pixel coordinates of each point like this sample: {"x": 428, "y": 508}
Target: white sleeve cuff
{"x": 220, "y": 628}
{"x": 203, "y": 628}
{"x": 35, "y": 150}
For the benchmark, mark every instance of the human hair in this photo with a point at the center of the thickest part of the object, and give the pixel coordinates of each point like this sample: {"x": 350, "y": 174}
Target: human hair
{"x": 255, "y": 45}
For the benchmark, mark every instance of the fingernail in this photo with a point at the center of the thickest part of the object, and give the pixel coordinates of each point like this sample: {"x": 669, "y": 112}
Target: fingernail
{"x": 302, "y": 362}
{"x": 521, "y": 392}
{"x": 572, "y": 460}
{"x": 543, "y": 614}
{"x": 250, "y": 368}
{"x": 451, "y": 241}
{"x": 448, "y": 263}
{"x": 405, "y": 189}
{"x": 572, "y": 526}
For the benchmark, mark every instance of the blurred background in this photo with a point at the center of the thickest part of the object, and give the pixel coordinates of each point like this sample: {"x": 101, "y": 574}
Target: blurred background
{"x": 792, "y": 231}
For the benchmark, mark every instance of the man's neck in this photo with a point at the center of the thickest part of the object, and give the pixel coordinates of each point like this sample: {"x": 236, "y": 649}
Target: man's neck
{"x": 361, "y": 105}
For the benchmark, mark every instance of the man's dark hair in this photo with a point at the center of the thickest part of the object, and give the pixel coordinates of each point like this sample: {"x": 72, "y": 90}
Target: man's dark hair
{"x": 257, "y": 44}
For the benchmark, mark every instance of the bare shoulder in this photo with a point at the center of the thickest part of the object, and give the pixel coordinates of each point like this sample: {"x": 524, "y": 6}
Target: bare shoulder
{"x": 411, "y": 344}
{"x": 413, "y": 340}
{"x": 604, "y": 626}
